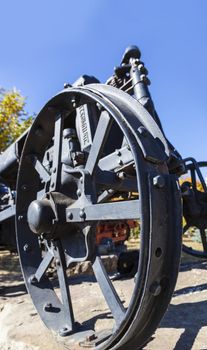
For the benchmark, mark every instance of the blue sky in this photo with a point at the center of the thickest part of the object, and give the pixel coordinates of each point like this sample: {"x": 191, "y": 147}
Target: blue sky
{"x": 46, "y": 43}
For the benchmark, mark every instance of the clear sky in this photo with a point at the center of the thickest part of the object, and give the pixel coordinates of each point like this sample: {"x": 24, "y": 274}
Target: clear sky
{"x": 46, "y": 43}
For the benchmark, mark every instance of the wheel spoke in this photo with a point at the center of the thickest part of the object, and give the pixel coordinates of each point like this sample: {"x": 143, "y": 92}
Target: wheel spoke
{"x": 105, "y": 211}
{"x": 99, "y": 140}
{"x": 64, "y": 288}
{"x": 39, "y": 167}
{"x": 57, "y": 151}
{"x": 45, "y": 263}
{"x": 109, "y": 292}
{"x": 203, "y": 238}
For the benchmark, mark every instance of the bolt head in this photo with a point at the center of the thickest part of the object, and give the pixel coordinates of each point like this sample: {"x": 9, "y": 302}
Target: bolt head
{"x": 26, "y": 248}
{"x": 118, "y": 152}
{"x": 142, "y": 131}
{"x": 66, "y": 85}
{"x": 121, "y": 175}
{"x": 155, "y": 289}
{"x": 82, "y": 214}
{"x": 20, "y": 217}
{"x": 78, "y": 192}
{"x": 159, "y": 181}
{"x": 70, "y": 216}
{"x": 47, "y": 307}
{"x": 64, "y": 331}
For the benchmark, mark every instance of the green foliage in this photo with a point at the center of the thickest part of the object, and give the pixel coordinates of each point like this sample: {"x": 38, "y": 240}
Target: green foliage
{"x": 13, "y": 118}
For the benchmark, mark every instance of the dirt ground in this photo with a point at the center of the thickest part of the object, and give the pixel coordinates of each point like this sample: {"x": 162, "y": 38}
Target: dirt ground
{"x": 184, "y": 326}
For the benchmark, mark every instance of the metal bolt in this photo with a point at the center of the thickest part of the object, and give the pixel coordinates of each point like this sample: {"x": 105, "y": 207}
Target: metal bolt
{"x": 74, "y": 102}
{"x": 142, "y": 131}
{"x": 118, "y": 152}
{"x": 66, "y": 85}
{"x": 26, "y": 248}
{"x": 70, "y": 216}
{"x": 24, "y": 187}
{"x": 142, "y": 69}
{"x": 120, "y": 162}
{"x": 64, "y": 331}
{"x": 78, "y": 192}
{"x": 136, "y": 62}
{"x": 145, "y": 79}
{"x": 155, "y": 289}
{"x": 121, "y": 175}
{"x": 99, "y": 106}
{"x": 57, "y": 262}
{"x": 159, "y": 181}
{"x": 82, "y": 214}
{"x": 47, "y": 307}
{"x": 20, "y": 217}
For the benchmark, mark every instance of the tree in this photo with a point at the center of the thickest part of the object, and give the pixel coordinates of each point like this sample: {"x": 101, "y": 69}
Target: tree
{"x": 14, "y": 120}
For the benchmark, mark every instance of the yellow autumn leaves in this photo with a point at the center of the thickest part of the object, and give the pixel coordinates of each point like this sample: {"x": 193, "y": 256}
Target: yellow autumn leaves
{"x": 13, "y": 118}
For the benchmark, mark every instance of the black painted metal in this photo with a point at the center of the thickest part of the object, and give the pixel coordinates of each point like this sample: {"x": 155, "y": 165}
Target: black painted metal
{"x": 74, "y": 194}
{"x": 195, "y": 205}
{"x": 89, "y": 148}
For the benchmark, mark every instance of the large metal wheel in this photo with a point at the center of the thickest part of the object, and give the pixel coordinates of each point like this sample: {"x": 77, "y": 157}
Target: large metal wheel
{"x": 66, "y": 186}
{"x": 195, "y": 209}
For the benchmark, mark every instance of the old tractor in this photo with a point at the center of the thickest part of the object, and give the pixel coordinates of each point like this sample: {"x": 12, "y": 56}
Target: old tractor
{"x": 74, "y": 172}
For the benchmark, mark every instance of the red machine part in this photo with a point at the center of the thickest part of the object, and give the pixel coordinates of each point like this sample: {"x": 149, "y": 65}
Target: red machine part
{"x": 117, "y": 232}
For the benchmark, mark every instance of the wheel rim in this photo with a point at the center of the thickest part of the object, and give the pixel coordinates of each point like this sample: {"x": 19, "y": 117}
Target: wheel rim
{"x": 158, "y": 264}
